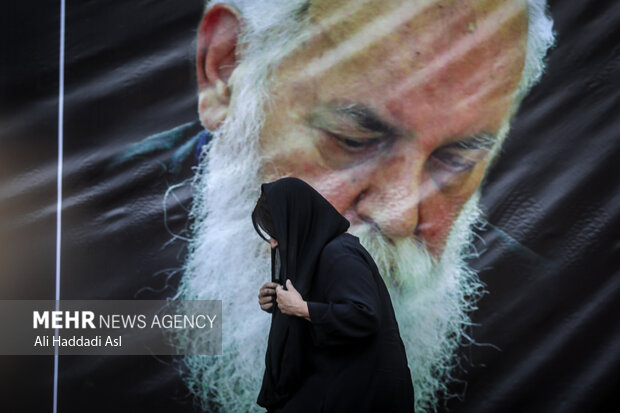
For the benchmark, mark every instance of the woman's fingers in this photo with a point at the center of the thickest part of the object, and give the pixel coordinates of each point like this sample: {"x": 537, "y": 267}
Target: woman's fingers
{"x": 266, "y": 299}
{"x": 267, "y": 295}
{"x": 267, "y": 290}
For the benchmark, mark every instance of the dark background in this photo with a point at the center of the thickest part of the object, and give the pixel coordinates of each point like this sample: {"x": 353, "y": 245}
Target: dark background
{"x": 548, "y": 333}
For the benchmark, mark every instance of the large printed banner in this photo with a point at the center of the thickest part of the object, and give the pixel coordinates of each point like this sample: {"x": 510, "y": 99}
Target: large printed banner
{"x": 472, "y": 146}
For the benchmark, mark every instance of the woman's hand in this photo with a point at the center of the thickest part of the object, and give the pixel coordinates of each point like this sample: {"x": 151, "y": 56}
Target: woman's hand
{"x": 290, "y": 301}
{"x": 266, "y": 295}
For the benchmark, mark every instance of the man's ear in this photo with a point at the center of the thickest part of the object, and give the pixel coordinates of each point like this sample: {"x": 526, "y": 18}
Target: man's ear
{"x": 216, "y": 59}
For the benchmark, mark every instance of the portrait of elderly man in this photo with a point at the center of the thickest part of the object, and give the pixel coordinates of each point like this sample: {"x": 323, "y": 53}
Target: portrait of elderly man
{"x": 472, "y": 145}
{"x": 393, "y": 111}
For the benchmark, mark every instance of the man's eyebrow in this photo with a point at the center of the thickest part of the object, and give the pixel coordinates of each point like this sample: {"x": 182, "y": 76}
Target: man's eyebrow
{"x": 324, "y": 117}
{"x": 363, "y": 116}
{"x": 482, "y": 140}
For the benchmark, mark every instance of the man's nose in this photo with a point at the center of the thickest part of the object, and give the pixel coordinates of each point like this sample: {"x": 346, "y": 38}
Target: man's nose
{"x": 392, "y": 196}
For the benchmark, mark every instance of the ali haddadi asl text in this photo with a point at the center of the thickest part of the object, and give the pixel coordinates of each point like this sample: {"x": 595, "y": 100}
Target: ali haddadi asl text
{"x": 78, "y": 341}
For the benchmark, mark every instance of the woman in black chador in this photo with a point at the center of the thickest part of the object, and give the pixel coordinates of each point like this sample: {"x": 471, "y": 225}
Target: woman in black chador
{"x": 334, "y": 344}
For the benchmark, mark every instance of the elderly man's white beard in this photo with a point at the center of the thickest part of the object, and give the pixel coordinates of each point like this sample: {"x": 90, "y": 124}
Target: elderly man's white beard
{"x": 432, "y": 300}
{"x": 229, "y": 262}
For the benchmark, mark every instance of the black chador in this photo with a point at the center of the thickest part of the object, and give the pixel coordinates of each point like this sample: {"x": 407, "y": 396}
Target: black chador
{"x": 349, "y": 357}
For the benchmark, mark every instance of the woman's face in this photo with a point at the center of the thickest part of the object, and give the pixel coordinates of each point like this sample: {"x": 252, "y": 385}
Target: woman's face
{"x": 273, "y": 242}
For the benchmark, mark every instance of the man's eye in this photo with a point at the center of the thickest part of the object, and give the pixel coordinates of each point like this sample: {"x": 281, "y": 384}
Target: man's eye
{"x": 453, "y": 161}
{"x": 449, "y": 166}
{"x": 355, "y": 144}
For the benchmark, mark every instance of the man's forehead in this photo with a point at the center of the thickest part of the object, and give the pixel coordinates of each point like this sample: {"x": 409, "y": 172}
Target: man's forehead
{"x": 416, "y": 30}
{"x": 361, "y": 12}
{"x": 468, "y": 54}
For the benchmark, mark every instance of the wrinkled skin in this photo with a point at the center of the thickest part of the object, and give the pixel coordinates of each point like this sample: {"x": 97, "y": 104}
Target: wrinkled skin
{"x": 394, "y": 123}
{"x": 390, "y": 109}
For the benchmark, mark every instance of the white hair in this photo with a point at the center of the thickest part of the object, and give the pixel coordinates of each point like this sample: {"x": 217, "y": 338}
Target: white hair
{"x": 540, "y": 38}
